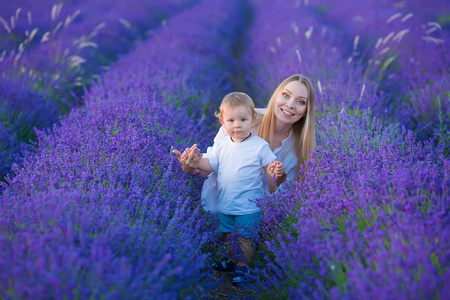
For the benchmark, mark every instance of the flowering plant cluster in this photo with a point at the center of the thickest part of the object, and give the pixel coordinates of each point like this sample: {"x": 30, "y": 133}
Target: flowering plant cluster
{"x": 308, "y": 47}
{"x": 369, "y": 217}
{"x": 50, "y": 53}
{"x": 102, "y": 208}
{"x": 407, "y": 53}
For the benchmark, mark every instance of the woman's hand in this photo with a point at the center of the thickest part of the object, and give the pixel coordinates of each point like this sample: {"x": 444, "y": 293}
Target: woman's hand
{"x": 189, "y": 159}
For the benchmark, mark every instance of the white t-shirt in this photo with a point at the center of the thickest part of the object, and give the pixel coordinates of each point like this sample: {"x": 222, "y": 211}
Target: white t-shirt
{"x": 284, "y": 153}
{"x": 239, "y": 167}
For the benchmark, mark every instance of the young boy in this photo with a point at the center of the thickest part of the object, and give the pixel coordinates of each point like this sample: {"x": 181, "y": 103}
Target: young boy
{"x": 238, "y": 159}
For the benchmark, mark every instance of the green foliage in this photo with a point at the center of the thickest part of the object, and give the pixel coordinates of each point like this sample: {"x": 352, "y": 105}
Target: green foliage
{"x": 363, "y": 221}
{"x": 436, "y": 264}
{"x": 338, "y": 274}
{"x": 340, "y": 223}
{"x": 322, "y": 9}
{"x": 444, "y": 20}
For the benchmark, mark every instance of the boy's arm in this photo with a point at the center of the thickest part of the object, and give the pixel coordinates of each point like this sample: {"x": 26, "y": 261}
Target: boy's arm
{"x": 204, "y": 165}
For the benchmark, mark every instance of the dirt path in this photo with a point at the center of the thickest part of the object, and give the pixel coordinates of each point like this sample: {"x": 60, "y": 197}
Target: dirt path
{"x": 227, "y": 290}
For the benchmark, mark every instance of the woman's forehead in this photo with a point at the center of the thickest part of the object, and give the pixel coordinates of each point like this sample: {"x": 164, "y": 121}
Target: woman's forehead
{"x": 297, "y": 88}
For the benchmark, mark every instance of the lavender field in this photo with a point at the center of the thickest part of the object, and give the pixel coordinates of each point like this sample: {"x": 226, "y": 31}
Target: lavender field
{"x": 94, "y": 96}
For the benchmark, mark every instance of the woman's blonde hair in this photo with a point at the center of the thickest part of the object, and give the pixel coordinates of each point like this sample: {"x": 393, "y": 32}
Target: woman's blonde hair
{"x": 303, "y": 129}
{"x": 236, "y": 99}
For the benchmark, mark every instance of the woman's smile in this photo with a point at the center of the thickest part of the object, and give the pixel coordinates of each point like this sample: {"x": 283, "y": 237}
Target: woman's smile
{"x": 286, "y": 112}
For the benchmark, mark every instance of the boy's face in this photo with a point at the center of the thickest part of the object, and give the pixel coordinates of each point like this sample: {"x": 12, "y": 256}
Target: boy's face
{"x": 237, "y": 121}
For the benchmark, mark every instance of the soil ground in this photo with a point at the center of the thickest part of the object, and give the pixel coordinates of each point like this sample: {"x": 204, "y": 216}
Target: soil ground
{"x": 227, "y": 290}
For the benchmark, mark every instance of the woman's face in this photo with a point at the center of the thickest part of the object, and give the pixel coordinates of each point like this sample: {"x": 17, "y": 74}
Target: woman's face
{"x": 291, "y": 103}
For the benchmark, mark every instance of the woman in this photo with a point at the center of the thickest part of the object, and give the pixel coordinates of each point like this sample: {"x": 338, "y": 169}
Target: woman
{"x": 288, "y": 126}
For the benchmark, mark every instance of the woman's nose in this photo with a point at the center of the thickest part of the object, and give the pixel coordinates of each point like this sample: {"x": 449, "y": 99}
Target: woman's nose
{"x": 290, "y": 103}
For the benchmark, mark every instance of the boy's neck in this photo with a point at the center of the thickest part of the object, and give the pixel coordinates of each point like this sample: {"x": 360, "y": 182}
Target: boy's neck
{"x": 240, "y": 141}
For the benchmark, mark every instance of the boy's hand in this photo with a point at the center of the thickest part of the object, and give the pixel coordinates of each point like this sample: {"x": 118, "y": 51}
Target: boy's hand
{"x": 279, "y": 169}
{"x": 271, "y": 169}
{"x": 276, "y": 171}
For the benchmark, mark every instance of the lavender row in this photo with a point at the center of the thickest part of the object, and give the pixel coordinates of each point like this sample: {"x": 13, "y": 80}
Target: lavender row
{"x": 408, "y": 54}
{"x": 51, "y": 52}
{"x": 97, "y": 29}
{"x": 123, "y": 215}
{"x": 78, "y": 45}
{"x": 370, "y": 216}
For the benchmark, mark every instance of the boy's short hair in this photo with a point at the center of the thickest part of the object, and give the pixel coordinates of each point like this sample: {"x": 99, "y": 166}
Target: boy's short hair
{"x": 236, "y": 99}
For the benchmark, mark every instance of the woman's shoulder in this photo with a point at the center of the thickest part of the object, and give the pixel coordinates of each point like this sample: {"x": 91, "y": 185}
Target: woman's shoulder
{"x": 221, "y": 133}
{"x": 222, "y": 140}
{"x": 260, "y": 113}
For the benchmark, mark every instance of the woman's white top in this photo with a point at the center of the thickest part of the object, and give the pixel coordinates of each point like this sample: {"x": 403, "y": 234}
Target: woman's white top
{"x": 239, "y": 167}
{"x": 284, "y": 153}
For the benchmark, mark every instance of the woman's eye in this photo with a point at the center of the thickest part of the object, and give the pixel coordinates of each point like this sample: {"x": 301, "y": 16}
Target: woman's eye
{"x": 285, "y": 95}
